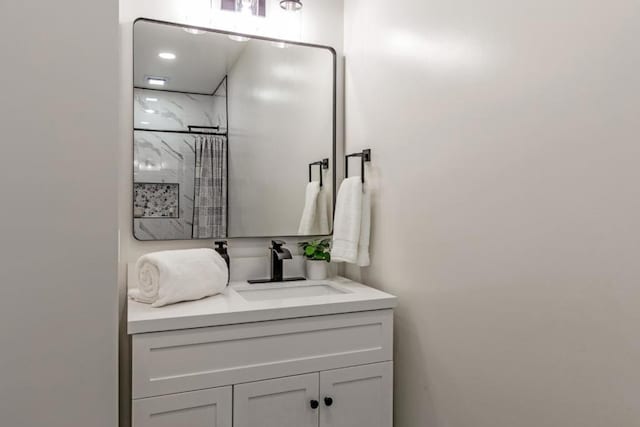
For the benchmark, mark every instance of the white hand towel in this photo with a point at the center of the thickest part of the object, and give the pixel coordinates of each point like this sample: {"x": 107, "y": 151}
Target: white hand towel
{"x": 168, "y": 277}
{"x": 347, "y": 223}
{"x": 308, "y": 218}
{"x": 365, "y": 228}
{"x": 323, "y": 213}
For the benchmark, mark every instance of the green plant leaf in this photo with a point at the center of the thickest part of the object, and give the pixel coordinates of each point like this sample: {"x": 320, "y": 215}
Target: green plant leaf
{"x": 309, "y": 250}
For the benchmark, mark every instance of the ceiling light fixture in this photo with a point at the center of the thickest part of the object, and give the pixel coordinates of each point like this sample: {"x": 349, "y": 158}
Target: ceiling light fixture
{"x": 167, "y": 55}
{"x": 151, "y": 99}
{"x": 156, "y": 81}
{"x": 291, "y": 5}
{"x": 149, "y": 111}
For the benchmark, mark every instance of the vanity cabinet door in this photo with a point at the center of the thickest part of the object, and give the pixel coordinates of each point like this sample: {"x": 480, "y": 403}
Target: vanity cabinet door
{"x": 361, "y": 396}
{"x": 283, "y": 402}
{"x": 205, "y": 408}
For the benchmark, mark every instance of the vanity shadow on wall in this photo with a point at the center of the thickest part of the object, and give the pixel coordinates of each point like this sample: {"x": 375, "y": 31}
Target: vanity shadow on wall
{"x": 225, "y": 128}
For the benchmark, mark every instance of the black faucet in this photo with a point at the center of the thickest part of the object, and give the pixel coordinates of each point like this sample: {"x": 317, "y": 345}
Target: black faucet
{"x": 278, "y": 254}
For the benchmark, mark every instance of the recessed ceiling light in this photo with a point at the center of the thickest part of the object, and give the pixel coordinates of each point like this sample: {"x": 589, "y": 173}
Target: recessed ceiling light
{"x": 193, "y": 31}
{"x": 239, "y": 38}
{"x": 150, "y": 111}
{"x": 291, "y": 5}
{"x": 151, "y": 99}
{"x": 167, "y": 55}
{"x": 156, "y": 81}
{"x": 144, "y": 123}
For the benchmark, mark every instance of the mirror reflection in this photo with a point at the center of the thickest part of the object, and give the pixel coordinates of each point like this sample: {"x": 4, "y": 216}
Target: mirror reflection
{"x": 233, "y": 136}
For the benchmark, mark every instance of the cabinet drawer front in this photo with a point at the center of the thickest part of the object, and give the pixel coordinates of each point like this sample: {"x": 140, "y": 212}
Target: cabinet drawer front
{"x": 205, "y": 408}
{"x": 192, "y": 359}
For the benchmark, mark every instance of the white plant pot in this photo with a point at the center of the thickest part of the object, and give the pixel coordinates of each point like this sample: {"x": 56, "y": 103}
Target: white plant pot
{"x": 316, "y": 270}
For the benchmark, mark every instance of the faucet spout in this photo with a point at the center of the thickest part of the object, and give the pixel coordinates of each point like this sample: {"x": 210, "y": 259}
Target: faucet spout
{"x": 282, "y": 253}
{"x": 278, "y": 254}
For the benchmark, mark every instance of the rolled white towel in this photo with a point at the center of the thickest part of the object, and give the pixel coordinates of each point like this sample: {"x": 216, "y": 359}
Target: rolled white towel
{"x": 168, "y": 277}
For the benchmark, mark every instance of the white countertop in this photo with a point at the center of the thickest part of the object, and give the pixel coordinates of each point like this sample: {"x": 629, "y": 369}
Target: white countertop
{"x": 230, "y": 307}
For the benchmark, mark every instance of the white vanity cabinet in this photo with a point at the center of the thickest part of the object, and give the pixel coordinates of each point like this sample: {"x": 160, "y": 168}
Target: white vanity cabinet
{"x": 315, "y": 371}
{"x": 332, "y": 370}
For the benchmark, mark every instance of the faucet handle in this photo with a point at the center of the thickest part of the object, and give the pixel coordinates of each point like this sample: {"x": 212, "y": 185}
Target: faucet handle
{"x": 277, "y": 244}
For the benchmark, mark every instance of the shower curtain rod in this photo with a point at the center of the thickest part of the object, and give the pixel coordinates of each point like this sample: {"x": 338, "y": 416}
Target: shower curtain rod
{"x": 191, "y": 132}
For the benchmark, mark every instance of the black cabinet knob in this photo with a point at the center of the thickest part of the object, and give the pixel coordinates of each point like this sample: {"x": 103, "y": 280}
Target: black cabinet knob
{"x": 328, "y": 401}
{"x": 314, "y": 404}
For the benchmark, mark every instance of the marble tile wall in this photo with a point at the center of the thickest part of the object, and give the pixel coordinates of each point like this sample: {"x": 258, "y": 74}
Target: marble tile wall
{"x": 164, "y": 157}
{"x": 154, "y": 109}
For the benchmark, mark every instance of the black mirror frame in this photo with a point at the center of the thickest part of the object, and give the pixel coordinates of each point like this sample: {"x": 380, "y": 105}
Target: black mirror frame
{"x": 231, "y": 33}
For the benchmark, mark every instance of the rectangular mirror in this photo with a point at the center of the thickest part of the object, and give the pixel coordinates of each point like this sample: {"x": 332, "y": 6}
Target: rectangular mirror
{"x": 228, "y": 131}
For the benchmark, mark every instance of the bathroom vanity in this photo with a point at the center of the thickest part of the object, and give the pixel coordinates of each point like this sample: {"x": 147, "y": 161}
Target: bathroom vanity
{"x": 229, "y": 132}
{"x": 299, "y": 354}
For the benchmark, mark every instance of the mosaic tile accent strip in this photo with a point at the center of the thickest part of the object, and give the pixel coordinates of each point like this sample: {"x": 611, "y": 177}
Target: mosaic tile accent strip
{"x": 156, "y": 200}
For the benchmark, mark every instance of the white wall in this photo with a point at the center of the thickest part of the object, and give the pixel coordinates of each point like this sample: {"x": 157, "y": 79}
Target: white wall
{"x": 280, "y": 120}
{"x": 507, "y": 210}
{"x": 319, "y": 23}
{"x": 58, "y": 300}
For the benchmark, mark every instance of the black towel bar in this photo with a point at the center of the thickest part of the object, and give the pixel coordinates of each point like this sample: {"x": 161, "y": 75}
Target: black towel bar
{"x": 365, "y": 156}
{"x": 323, "y": 164}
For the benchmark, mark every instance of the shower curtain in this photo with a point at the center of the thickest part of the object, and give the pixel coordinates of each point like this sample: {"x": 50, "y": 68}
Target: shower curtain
{"x": 210, "y": 192}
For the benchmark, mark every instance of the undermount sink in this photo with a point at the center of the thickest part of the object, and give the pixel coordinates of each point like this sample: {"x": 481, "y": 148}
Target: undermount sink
{"x": 282, "y": 291}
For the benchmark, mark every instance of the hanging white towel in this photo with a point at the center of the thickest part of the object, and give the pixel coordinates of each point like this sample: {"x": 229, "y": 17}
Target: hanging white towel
{"x": 352, "y": 225}
{"x": 309, "y": 213}
{"x": 365, "y": 228}
{"x": 168, "y": 277}
{"x": 323, "y": 213}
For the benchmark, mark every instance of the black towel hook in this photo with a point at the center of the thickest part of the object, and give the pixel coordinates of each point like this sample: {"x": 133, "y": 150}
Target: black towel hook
{"x": 365, "y": 156}
{"x": 323, "y": 164}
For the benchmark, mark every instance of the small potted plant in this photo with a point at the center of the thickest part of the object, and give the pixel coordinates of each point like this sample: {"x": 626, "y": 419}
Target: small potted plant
{"x": 318, "y": 255}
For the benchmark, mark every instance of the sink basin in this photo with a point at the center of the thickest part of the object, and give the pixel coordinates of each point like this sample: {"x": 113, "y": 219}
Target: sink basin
{"x": 284, "y": 291}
